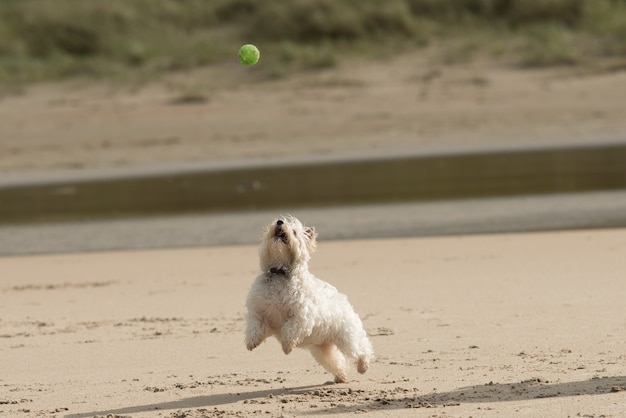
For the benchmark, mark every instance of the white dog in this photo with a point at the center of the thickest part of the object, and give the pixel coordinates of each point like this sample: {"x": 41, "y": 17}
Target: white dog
{"x": 300, "y": 310}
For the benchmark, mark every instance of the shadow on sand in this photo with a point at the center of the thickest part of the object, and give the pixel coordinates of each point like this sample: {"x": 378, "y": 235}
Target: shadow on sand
{"x": 208, "y": 401}
{"x": 363, "y": 401}
{"x": 488, "y": 393}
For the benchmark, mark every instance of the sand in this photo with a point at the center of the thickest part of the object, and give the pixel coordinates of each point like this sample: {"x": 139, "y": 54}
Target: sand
{"x": 495, "y": 325}
{"x": 408, "y": 103}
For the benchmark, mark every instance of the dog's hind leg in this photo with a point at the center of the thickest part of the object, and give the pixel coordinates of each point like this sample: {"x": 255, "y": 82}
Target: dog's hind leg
{"x": 331, "y": 359}
{"x": 362, "y": 364}
{"x": 365, "y": 354}
{"x": 358, "y": 348}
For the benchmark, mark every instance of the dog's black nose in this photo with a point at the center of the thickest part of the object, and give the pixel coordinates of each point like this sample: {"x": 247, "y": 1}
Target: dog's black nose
{"x": 279, "y": 222}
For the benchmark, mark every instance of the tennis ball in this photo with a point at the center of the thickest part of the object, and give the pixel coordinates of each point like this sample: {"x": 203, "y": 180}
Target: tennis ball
{"x": 249, "y": 54}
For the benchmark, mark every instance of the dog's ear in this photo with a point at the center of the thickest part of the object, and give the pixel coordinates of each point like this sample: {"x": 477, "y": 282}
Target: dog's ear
{"x": 311, "y": 235}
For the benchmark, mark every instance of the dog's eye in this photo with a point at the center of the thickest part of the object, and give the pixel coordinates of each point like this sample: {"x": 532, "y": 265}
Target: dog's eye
{"x": 294, "y": 233}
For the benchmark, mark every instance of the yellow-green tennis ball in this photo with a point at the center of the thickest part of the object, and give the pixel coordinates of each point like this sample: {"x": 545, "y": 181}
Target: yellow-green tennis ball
{"x": 249, "y": 54}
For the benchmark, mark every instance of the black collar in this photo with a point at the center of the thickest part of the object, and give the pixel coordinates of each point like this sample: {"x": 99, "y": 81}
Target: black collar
{"x": 277, "y": 271}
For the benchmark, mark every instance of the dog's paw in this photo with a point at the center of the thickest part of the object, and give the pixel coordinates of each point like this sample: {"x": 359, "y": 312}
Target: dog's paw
{"x": 287, "y": 348}
{"x": 362, "y": 365}
{"x": 341, "y": 378}
{"x": 251, "y": 345}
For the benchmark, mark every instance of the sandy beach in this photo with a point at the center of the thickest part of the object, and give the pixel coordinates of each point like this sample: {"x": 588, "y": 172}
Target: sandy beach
{"x": 496, "y": 325}
{"x": 407, "y": 103}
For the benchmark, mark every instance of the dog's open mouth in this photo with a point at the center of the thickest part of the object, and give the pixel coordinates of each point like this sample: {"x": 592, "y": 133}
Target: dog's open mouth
{"x": 281, "y": 235}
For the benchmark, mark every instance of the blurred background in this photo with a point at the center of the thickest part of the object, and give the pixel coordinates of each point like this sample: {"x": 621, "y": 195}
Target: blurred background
{"x": 132, "y": 124}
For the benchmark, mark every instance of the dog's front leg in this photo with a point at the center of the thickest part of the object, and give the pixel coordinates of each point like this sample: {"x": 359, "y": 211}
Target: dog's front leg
{"x": 289, "y": 340}
{"x": 292, "y": 335}
{"x": 256, "y": 331}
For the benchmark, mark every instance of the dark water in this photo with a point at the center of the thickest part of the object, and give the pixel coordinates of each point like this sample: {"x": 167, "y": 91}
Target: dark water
{"x": 409, "y": 219}
{"x": 408, "y": 178}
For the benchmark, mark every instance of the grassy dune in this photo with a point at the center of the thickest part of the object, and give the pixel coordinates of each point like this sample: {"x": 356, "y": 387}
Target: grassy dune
{"x": 42, "y": 40}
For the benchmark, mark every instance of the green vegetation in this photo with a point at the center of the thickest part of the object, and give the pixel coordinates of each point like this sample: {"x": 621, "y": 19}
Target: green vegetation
{"x": 140, "y": 39}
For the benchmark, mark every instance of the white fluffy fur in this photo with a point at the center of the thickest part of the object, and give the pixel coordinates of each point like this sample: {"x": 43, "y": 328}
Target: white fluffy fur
{"x": 299, "y": 309}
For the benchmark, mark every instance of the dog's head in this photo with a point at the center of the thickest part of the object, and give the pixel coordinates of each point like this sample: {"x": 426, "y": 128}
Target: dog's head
{"x": 287, "y": 244}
